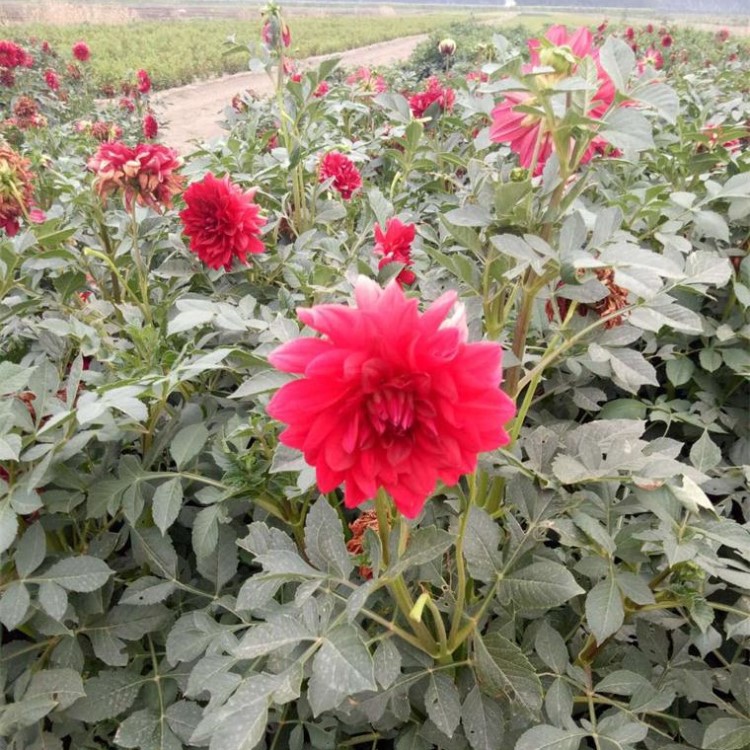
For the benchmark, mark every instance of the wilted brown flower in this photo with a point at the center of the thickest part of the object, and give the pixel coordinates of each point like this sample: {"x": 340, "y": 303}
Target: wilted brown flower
{"x": 367, "y": 520}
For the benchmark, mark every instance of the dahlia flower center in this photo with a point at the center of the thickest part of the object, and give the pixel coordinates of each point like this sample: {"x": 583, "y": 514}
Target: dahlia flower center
{"x": 391, "y": 410}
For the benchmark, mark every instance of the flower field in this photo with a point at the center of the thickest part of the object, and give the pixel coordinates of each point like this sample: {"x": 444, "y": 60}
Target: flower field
{"x": 413, "y": 414}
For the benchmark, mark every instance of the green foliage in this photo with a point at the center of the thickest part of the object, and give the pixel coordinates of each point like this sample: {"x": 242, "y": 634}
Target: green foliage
{"x": 172, "y": 578}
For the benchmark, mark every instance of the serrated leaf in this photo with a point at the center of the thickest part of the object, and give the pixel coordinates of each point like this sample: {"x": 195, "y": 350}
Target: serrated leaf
{"x": 540, "y": 586}
{"x": 341, "y": 667}
{"x": 324, "y": 540}
{"x": 482, "y": 721}
{"x": 481, "y": 543}
{"x": 278, "y": 632}
{"x": 167, "y": 503}
{"x": 187, "y": 443}
{"x": 504, "y": 671}
{"x": 705, "y": 455}
{"x": 423, "y": 547}
{"x": 14, "y": 605}
{"x": 442, "y": 703}
{"x": 205, "y": 535}
{"x": 547, "y": 737}
{"x": 108, "y": 694}
{"x": 727, "y": 734}
{"x": 604, "y": 610}
{"x": 31, "y": 550}
{"x": 618, "y": 61}
{"x": 80, "y": 574}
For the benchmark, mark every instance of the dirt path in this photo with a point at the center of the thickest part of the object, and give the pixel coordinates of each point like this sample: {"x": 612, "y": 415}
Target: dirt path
{"x": 194, "y": 112}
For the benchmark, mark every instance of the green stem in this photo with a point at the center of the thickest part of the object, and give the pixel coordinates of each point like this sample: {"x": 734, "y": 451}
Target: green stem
{"x": 460, "y": 562}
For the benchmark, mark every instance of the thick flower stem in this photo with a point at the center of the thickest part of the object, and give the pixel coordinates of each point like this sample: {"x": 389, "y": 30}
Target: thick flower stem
{"x": 140, "y": 267}
{"x": 460, "y": 562}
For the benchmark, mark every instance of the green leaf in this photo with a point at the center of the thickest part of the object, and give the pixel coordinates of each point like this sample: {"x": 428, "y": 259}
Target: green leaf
{"x": 627, "y": 129}
{"x": 442, "y": 703}
{"x": 64, "y": 686}
{"x": 13, "y": 377}
{"x": 662, "y": 98}
{"x": 727, "y": 734}
{"x": 187, "y": 443}
{"x": 31, "y": 550}
{"x": 82, "y": 574}
{"x": 705, "y": 454}
{"x": 205, "y": 535}
{"x": 387, "y": 663}
{"x": 146, "y": 730}
{"x": 483, "y": 721}
{"x": 679, "y": 371}
{"x": 618, "y": 61}
{"x": 424, "y": 546}
{"x": 481, "y": 543}
{"x": 262, "y": 382}
{"x": 342, "y": 667}
{"x": 277, "y": 632}
{"x": 540, "y": 586}
{"x": 551, "y": 649}
{"x": 504, "y": 671}
{"x": 465, "y": 236}
{"x": 167, "y": 503}
{"x": 324, "y": 540}
{"x": 604, "y": 611}
{"x": 8, "y": 526}
{"x": 108, "y": 694}
{"x": 691, "y": 496}
{"x": 53, "y": 599}
{"x": 14, "y": 605}
{"x": 547, "y": 737}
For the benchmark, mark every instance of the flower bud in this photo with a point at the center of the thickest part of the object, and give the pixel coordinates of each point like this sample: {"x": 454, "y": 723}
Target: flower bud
{"x": 447, "y": 47}
{"x": 561, "y": 59}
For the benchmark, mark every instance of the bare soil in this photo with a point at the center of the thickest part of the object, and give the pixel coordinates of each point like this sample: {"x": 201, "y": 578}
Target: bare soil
{"x": 193, "y": 112}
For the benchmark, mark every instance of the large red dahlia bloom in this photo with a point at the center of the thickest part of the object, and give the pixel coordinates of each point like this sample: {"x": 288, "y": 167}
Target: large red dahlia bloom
{"x": 434, "y": 92}
{"x": 11, "y": 55}
{"x": 390, "y": 397}
{"x": 146, "y": 174}
{"x": 395, "y": 246}
{"x": 346, "y": 177}
{"x": 222, "y": 221}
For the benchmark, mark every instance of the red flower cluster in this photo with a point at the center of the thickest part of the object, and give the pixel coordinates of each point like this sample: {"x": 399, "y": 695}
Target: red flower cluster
{"x": 52, "y": 79}
{"x": 528, "y": 134}
{"x": 146, "y": 174}
{"x": 16, "y": 191}
{"x": 395, "y": 246}
{"x": 81, "y": 51}
{"x": 346, "y": 177}
{"x": 26, "y": 115}
{"x": 434, "y": 92}
{"x": 222, "y": 221}
{"x": 12, "y": 56}
{"x": 390, "y": 397}
{"x": 150, "y": 127}
{"x": 144, "y": 81}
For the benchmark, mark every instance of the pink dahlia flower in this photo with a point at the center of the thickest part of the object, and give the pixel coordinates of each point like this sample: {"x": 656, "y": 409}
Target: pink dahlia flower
{"x": 390, "y": 397}
{"x": 528, "y": 134}
{"x": 81, "y": 51}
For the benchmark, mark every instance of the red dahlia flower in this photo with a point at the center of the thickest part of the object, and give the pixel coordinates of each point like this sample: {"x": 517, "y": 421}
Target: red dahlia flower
{"x": 434, "y": 92}
{"x": 346, "y": 177}
{"x": 653, "y": 57}
{"x": 650, "y": 28}
{"x": 145, "y": 174}
{"x": 52, "y": 80}
{"x": 666, "y": 41}
{"x": 11, "y": 55}
{"x": 144, "y": 81}
{"x": 630, "y": 33}
{"x": 390, "y": 397}
{"x": 321, "y": 89}
{"x": 81, "y": 51}
{"x": 222, "y": 221}
{"x": 395, "y": 246}
{"x": 722, "y": 35}
{"x": 150, "y": 127}
{"x": 367, "y": 81}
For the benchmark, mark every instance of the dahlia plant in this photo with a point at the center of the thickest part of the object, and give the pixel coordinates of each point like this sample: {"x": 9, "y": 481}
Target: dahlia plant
{"x": 410, "y": 415}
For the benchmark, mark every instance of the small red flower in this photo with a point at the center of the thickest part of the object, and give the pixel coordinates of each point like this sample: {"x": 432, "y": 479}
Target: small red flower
{"x": 666, "y": 41}
{"x": 81, "y": 51}
{"x": 16, "y": 191}
{"x": 434, "y": 92}
{"x": 395, "y": 246}
{"x": 52, "y": 80}
{"x": 653, "y": 57}
{"x": 144, "y": 81}
{"x": 321, "y": 89}
{"x": 346, "y": 177}
{"x": 150, "y": 127}
{"x": 127, "y": 104}
{"x": 46, "y": 49}
{"x": 630, "y": 33}
{"x": 222, "y": 221}
{"x": 650, "y": 28}
{"x": 390, "y": 397}
{"x": 722, "y": 35}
